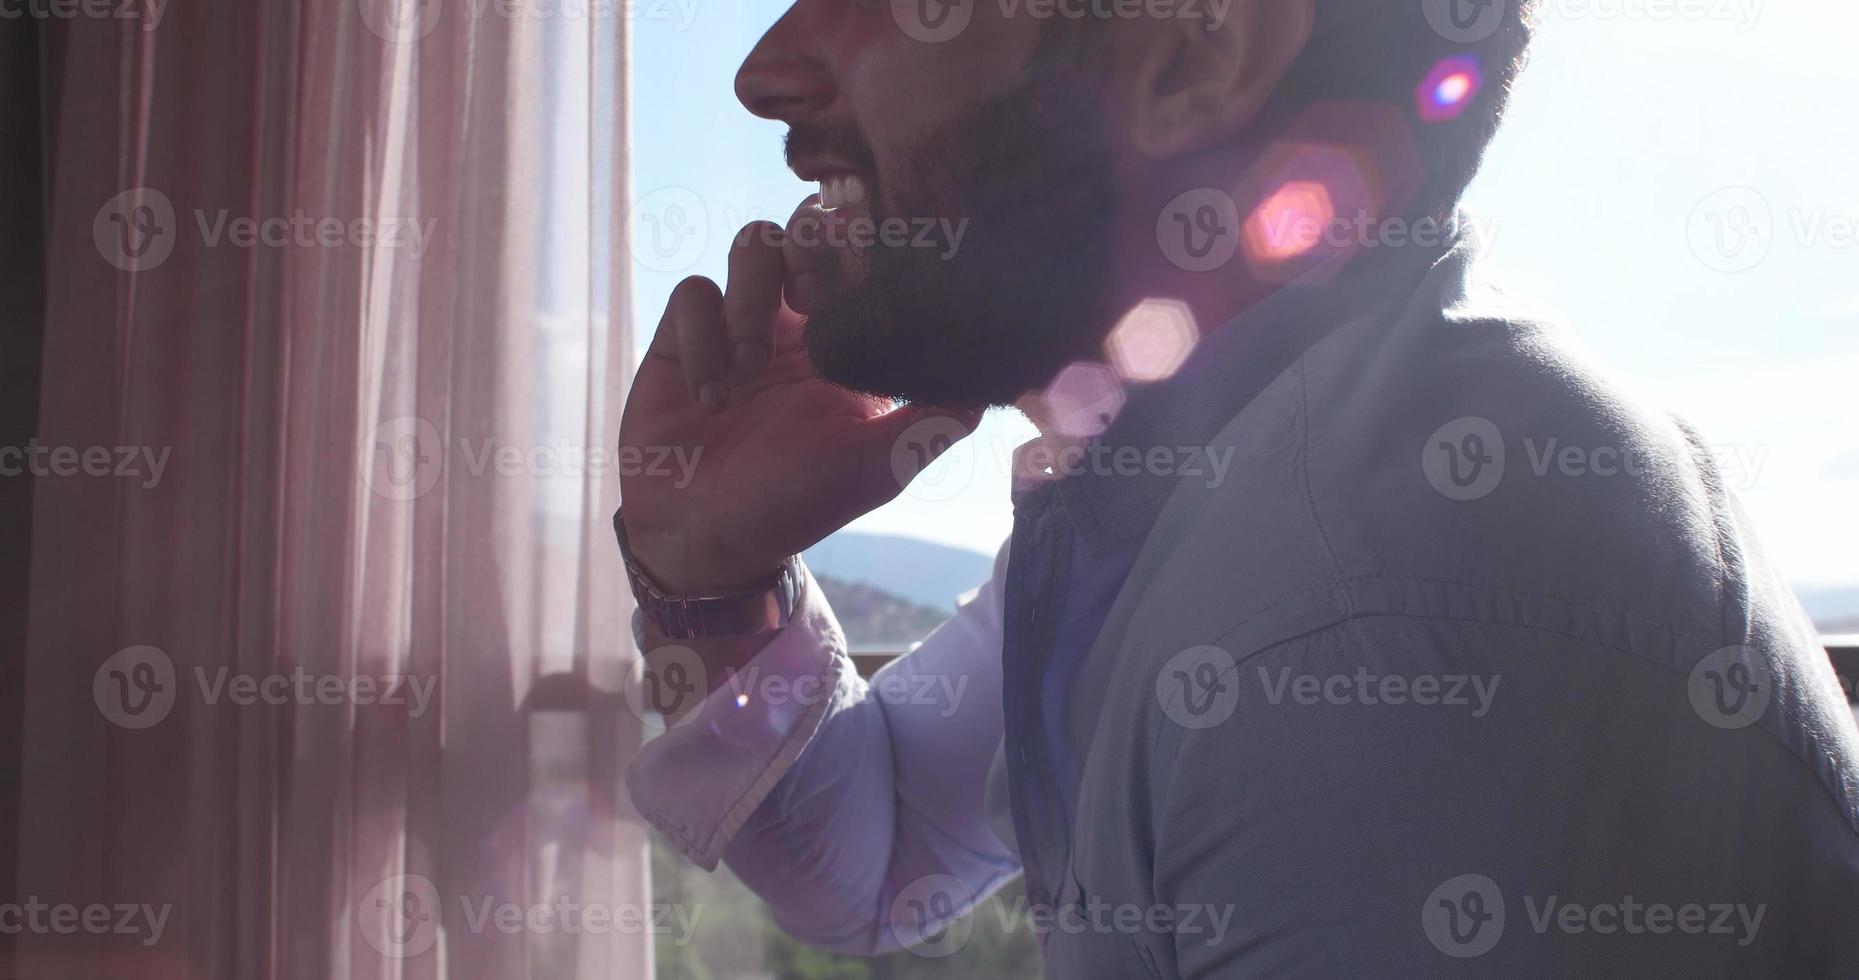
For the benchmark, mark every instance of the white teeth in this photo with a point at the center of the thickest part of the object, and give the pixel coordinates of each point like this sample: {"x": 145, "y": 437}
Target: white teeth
{"x": 841, "y": 190}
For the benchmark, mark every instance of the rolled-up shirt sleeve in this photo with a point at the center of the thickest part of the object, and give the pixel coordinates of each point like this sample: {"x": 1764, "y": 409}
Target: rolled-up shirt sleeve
{"x": 836, "y": 798}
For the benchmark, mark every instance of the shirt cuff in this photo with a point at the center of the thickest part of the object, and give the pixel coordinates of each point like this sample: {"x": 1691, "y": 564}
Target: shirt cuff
{"x": 700, "y": 781}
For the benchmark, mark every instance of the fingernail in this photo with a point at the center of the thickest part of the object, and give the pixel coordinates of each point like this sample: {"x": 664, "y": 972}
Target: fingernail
{"x": 751, "y": 358}
{"x": 712, "y": 395}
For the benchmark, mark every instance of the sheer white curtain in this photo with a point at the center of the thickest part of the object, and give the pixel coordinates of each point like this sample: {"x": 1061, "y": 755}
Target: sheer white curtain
{"x": 324, "y": 678}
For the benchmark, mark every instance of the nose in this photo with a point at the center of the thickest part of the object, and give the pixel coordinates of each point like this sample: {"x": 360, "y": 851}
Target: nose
{"x": 785, "y": 78}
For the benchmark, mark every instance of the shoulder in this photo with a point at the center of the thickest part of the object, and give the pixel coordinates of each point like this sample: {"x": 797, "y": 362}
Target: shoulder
{"x": 1460, "y": 491}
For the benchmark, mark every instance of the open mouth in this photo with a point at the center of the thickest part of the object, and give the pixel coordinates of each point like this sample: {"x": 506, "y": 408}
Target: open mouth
{"x": 842, "y": 190}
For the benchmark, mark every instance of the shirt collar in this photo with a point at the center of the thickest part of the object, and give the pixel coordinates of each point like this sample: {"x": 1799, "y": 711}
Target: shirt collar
{"x": 1113, "y": 485}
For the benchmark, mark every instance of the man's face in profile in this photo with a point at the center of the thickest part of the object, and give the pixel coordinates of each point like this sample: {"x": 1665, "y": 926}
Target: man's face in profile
{"x": 968, "y": 254}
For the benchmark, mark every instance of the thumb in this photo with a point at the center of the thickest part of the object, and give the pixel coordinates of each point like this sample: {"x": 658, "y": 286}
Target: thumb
{"x": 896, "y": 446}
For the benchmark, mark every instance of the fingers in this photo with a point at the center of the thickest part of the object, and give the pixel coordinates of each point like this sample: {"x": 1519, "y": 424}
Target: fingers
{"x": 804, "y": 257}
{"x": 752, "y": 306}
{"x": 692, "y": 333}
{"x": 711, "y": 334}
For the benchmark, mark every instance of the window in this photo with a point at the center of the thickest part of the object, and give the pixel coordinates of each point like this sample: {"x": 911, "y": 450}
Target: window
{"x": 1661, "y": 187}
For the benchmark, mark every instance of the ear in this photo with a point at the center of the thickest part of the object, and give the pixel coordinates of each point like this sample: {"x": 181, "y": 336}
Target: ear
{"x": 1201, "y": 80}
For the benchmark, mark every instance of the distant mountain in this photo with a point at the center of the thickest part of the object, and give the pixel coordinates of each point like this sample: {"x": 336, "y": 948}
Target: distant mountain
{"x": 923, "y": 573}
{"x": 877, "y": 620}
{"x": 932, "y": 575}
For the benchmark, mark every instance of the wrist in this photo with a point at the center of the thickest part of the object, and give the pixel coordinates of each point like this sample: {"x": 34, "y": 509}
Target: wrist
{"x": 679, "y": 566}
{"x": 683, "y": 609}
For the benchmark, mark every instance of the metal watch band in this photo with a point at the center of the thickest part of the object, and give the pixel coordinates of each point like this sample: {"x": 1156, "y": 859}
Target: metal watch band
{"x": 758, "y": 608}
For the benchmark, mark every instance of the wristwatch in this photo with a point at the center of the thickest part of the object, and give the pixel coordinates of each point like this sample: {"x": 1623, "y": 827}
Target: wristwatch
{"x": 758, "y": 608}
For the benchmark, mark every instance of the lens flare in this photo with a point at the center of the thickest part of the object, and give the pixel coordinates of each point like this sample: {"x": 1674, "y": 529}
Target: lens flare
{"x": 1449, "y": 89}
{"x": 1153, "y": 340}
{"x": 1084, "y": 399}
{"x": 1293, "y": 220}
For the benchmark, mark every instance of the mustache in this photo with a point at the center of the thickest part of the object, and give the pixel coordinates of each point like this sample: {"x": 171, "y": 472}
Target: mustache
{"x": 844, "y": 142}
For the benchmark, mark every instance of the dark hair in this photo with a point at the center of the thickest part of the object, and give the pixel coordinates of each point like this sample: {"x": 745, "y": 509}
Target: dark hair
{"x": 1378, "y": 52}
{"x": 1381, "y": 51}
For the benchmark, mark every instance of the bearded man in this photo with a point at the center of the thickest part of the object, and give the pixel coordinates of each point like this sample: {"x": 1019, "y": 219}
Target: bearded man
{"x": 1381, "y": 699}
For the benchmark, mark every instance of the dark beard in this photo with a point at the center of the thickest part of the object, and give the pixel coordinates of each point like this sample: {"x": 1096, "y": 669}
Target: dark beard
{"x": 1028, "y": 289}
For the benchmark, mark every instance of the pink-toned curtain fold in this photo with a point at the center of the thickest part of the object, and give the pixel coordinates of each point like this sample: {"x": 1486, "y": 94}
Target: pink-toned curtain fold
{"x": 382, "y": 428}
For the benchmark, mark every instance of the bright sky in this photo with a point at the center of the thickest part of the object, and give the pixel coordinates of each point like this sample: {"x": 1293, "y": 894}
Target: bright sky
{"x": 1632, "y": 142}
